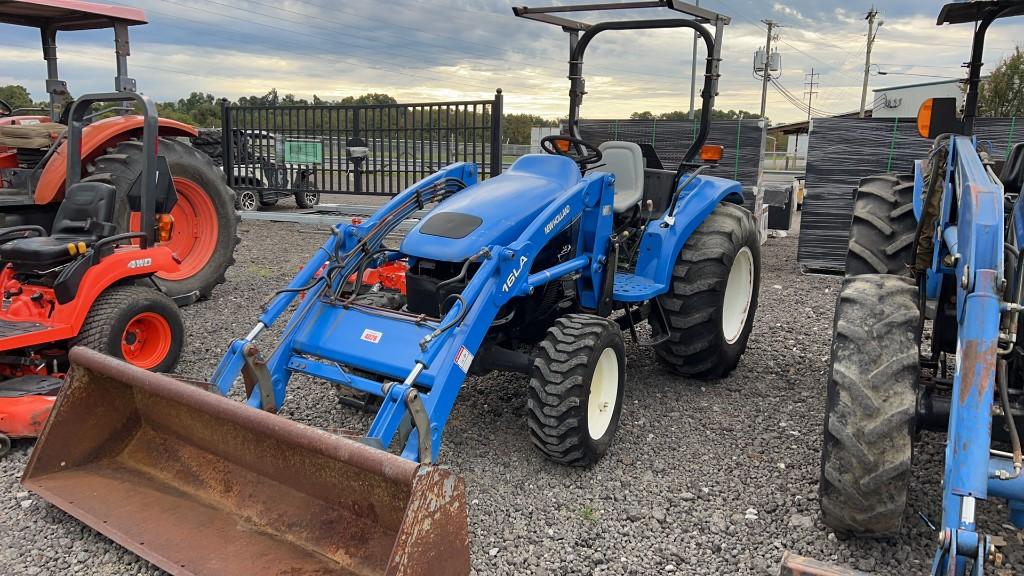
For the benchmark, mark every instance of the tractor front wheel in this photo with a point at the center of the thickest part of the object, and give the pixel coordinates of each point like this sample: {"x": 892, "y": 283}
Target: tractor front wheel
{"x": 576, "y": 385}
{"x": 884, "y": 226}
{"x": 871, "y": 406}
{"x": 711, "y": 303}
{"x": 205, "y": 228}
{"x": 139, "y": 325}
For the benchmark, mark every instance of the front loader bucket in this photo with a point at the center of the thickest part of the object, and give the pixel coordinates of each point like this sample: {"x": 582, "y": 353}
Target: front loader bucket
{"x": 200, "y": 484}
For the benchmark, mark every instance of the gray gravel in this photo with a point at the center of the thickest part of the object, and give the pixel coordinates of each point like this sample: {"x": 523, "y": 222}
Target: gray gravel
{"x": 703, "y": 478}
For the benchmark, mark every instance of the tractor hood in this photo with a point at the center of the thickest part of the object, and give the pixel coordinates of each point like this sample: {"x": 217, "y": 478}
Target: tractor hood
{"x": 493, "y": 212}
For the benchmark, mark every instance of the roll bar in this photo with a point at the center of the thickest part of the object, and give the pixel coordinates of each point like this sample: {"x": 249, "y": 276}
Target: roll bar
{"x": 76, "y": 122}
{"x": 983, "y": 13}
{"x": 581, "y": 33}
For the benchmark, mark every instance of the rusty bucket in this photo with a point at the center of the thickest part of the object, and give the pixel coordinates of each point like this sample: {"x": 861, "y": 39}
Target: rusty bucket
{"x": 200, "y": 484}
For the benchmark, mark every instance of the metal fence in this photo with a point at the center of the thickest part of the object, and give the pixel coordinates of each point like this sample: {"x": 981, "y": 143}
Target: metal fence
{"x": 373, "y": 149}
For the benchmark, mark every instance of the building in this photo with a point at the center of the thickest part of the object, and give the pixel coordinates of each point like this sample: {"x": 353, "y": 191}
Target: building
{"x": 904, "y": 101}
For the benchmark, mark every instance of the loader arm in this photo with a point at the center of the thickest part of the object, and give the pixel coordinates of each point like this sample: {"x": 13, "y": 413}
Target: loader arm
{"x": 974, "y": 239}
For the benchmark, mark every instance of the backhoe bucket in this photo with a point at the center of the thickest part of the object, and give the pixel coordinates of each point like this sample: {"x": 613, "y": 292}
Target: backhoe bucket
{"x": 200, "y": 484}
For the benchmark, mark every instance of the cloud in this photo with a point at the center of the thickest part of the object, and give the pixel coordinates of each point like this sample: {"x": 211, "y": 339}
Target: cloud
{"x": 457, "y": 49}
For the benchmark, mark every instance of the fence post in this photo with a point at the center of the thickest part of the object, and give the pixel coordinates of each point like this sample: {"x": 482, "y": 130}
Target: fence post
{"x": 357, "y": 172}
{"x": 227, "y": 141}
{"x": 497, "y": 128}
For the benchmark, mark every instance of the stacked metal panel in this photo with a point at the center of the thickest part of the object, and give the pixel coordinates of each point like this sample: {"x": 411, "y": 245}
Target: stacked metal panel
{"x": 844, "y": 150}
{"x": 741, "y": 140}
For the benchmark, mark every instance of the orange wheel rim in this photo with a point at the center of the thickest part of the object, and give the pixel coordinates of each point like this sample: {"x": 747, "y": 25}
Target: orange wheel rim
{"x": 146, "y": 340}
{"x": 194, "y": 236}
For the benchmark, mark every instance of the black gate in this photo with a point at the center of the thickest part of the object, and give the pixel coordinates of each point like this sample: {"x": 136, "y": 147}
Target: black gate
{"x": 374, "y": 149}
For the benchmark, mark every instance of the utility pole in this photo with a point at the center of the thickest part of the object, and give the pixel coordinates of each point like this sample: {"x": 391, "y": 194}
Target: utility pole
{"x": 872, "y": 34}
{"x": 811, "y": 83}
{"x": 763, "y": 64}
{"x": 693, "y": 72}
{"x": 767, "y": 66}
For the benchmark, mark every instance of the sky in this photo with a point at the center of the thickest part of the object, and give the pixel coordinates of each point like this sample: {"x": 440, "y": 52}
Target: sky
{"x": 420, "y": 51}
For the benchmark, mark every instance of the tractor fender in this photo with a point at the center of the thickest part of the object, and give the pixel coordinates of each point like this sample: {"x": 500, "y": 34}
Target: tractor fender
{"x": 664, "y": 239}
{"x": 96, "y": 138}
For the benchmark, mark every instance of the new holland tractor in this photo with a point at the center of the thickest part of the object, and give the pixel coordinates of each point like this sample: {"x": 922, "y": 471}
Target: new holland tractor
{"x": 538, "y": 271}
{"x": 33, "y": 148}
{"x": 926, "y": 330}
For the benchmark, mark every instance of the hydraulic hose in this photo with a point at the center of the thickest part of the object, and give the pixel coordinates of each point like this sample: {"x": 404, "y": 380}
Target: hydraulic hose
{"x": 1004, "y": 395}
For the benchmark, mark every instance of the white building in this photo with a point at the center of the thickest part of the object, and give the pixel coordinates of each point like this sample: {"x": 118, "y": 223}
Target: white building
{"x": 904, "y": 101}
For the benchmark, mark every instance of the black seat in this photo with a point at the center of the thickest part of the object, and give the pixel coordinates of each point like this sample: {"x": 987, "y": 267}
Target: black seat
{"x": 84, "y": 216}
{"x": 1013, "y": 170}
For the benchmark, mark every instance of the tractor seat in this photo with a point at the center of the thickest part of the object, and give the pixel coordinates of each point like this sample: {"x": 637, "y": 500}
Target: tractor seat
{"x": 626, "y": 161}
{"x": 1013, "y": 171}
{"x": 84, "y": 216}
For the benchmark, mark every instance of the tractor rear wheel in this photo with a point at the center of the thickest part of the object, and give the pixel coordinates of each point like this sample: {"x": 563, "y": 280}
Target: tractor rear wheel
{"x": 884, "y": 226}
{"x": 871, "y": 406}
{"x": 711, "y": 303}
{"x": 205, "y": 223}
{"x": 576, "y": 385}
{"x": 139, "y": 325}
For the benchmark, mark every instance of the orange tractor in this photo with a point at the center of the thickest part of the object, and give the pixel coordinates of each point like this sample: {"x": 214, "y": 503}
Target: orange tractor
{"x": 106, "y": 226}
{"x": 33, "y": 154}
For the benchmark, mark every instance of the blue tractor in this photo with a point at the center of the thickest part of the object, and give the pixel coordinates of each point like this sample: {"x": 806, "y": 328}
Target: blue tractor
{"x": 941, "y": 249}
{"x": 539, "y": 271}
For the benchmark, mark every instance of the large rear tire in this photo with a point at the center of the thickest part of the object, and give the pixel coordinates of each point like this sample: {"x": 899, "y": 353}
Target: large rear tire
{"x": 139, "y": 325}
{"x": 884, "y": 227}
{"x": 871, "y": 407}
{"x": 576, "y": 384}
{"x": 711, "y": 304}
{"x": 205, "y": 223}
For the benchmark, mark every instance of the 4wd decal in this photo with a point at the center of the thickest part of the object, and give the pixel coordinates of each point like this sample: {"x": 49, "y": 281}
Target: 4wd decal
{"x": 140, "y": 263}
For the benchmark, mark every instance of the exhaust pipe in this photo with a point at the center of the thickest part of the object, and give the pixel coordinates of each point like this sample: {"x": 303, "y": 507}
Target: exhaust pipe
{"x": 200, "y": 484}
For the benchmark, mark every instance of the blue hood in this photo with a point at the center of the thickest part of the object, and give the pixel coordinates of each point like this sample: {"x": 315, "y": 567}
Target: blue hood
{"x": 493, "y": 212}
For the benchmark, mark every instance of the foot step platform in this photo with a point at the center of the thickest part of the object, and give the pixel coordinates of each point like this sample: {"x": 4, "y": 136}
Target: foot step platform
{"x": 633, "y": 288}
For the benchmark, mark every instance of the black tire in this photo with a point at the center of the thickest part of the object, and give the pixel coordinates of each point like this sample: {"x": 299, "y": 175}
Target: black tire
{"x": 698, "y": 305}
{"x": 871, "y": 407}
{"x": 561, "y": 382}
{"x": 247, "y": 199}
{"x": 106, "y": 324}
{"x": 307, "y": 196}
{"x": 5, "y": 445}
{"x": 121, "y": 166}
{"x": 884, "y": 227}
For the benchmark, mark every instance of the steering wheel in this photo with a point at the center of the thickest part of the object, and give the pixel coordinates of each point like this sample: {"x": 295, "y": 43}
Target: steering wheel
{"x": 6, "y": 109}
{"x": 581, "y": 152}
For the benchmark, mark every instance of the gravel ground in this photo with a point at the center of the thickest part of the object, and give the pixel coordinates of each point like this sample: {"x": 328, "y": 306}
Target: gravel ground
{"x": 703, "y": 478}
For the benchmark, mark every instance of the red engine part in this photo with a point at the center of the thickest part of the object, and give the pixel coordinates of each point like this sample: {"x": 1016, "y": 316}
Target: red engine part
{"x": 390, "y": 276}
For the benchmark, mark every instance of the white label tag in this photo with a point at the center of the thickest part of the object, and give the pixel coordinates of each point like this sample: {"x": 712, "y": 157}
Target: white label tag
{"x": 463, "y": 359}
{"x": 371, "y": 336}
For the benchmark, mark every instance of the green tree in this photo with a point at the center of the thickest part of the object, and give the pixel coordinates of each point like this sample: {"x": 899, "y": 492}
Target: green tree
{"x": 16, "y": 95}
{"x": 1002, "y": 94}
{"x": 684, "y": 115}
{"x": 516, "y": 129}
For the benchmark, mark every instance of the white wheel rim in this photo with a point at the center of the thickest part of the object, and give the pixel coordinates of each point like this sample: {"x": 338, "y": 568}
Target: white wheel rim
{"x": 739, "y": 291}
{"x": 604, "y": 391}
{"x": 312, "y": 198}
{"x": 248, "y": 201}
